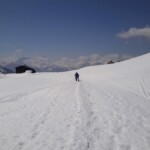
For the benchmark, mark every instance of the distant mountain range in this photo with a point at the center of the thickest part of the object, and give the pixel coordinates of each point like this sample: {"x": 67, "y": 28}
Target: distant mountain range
{"x": 5, "y": 70}
{"x": 44, "y": 64}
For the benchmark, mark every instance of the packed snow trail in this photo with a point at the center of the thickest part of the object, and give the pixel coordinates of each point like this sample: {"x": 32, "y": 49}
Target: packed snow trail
{"x": 109, "y": 109}
{"x": 38, "y": 120}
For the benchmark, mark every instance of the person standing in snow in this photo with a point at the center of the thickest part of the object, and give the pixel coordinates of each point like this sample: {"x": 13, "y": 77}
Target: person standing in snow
{"x": 76, "y": 76}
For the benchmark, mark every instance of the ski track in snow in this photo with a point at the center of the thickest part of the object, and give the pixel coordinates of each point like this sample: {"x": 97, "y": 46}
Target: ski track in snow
{"x": 83, "y": 138}
{"x": 142, "y": 86}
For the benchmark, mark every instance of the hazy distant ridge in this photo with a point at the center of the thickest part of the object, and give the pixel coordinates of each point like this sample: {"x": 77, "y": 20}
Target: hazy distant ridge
{"x": 44, "y": 64}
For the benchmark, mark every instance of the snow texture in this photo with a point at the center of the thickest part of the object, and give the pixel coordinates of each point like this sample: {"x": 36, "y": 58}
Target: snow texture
{"x": 109, "y": 109}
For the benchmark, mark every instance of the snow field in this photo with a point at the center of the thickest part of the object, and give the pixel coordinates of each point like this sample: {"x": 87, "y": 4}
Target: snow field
{"x": 109, "y": 109}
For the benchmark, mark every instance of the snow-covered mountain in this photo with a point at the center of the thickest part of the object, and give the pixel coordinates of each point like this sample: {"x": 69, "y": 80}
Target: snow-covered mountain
{"x": 109, "y": 109}
{"x": 43, "y": 64}
{"x": 5, "y": 70}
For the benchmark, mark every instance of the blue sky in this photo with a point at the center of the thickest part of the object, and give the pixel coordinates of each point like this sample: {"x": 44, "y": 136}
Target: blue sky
{"x": 71, "y": 28}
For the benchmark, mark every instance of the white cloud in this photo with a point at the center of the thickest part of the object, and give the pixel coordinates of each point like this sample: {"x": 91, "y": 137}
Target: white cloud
{"x": 135, "y": 32}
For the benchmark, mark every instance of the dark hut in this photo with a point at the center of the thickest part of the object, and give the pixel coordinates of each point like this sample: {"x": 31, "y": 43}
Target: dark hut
{"x": 24, "y": 68}
{"x": 110, "y": 62}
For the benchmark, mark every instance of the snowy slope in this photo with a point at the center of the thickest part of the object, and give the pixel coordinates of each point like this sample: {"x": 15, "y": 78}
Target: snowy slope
{"x": 109, "y": 109}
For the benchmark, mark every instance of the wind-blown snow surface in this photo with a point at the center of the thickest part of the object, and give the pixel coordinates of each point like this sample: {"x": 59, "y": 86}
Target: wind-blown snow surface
{"x": 109, "y": 109}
